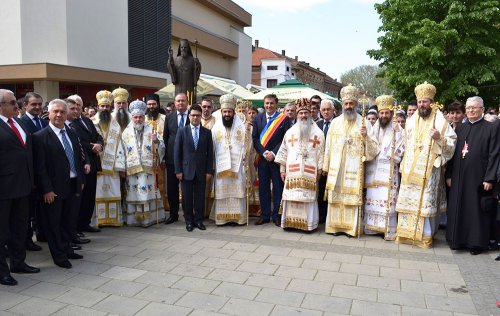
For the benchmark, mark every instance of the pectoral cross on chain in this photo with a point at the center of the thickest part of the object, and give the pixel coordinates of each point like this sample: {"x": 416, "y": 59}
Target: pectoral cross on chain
{"x": 465, "y": 150}
{"x": 292, "y": 140}
{"x": 315, "y": 141}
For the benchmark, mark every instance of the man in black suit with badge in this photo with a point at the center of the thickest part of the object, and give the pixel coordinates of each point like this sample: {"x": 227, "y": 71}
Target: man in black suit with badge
{"x": 33, "y": 102}
{"x": 175, "y": 121}
{"x": 193, "y": 158}
{"x": 59, "y": 177}
{"x": 16, "y": 183}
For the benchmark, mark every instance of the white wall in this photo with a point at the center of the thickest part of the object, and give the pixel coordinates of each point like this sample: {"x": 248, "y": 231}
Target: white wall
{"x": 43, "y": 27}
{"x": 241, "y": 67}
{"x": 10, "y": 24}
{"x": 281, "y": 74}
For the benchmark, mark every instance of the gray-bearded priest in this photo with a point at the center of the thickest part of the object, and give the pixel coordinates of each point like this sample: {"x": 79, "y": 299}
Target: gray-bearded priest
{"x": 301, "y": 159}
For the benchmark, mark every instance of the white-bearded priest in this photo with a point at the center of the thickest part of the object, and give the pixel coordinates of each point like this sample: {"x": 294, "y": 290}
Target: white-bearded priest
{"x": 228, "y": 135}
{"x": 430, "y": 140}
{"x": 108, "y": 193}
{"x": 301, "y": 158}
{"x": 349, "y": 142}
{"x": 140, "y": 145}
{"x": 382, "y": 173}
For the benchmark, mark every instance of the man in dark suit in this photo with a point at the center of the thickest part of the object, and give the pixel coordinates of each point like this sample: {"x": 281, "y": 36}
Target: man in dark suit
{"x": 33, "y": 103}
{"x": 269, "y": 128}
{"x": 327, "y": 112}
{"x": 16, "y": 182}
{"x": 175, "y": 120}
{"x": 93, "y": 144}
{"x": 59, "y": 176}
{"x": 193, "y": 158}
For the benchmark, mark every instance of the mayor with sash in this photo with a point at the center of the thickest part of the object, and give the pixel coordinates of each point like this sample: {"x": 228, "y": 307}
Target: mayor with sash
{"x": 269, "y": 128}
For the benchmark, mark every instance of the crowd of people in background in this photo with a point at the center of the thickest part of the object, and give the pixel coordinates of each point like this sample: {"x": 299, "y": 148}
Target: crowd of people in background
{"x": 68, "y": 170}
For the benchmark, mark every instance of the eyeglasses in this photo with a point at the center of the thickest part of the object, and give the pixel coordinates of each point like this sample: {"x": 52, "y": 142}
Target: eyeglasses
{"x": 315, "y": 103}
{"x": 37, "y": 104}
{"x": 12, "y": 102}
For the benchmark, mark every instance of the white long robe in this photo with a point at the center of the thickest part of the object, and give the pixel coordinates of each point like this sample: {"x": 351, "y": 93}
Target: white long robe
{"x": 230, "y": 174}
{"x": 108, "y": 208}
{"x": 343, "y": 162}
{"x": 143, "y": 202}
{"x": 302, "y": 161}
{"x": 417, "y": 209}
{"x": 380, "y": 206}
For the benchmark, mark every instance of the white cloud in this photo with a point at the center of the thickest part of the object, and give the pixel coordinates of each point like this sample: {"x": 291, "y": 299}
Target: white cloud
{"x": 281, "y": 5}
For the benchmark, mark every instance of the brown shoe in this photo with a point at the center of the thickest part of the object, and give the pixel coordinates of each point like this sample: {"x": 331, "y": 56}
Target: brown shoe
{"x": 277, "y": 222}
{"x": 261, "y": 222}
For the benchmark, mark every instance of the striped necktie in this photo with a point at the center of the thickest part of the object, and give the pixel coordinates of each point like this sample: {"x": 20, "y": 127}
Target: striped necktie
{"x": 68, "y": 151}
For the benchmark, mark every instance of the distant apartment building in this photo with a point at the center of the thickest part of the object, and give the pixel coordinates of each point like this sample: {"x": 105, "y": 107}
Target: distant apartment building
{"x": 270, "y": 68}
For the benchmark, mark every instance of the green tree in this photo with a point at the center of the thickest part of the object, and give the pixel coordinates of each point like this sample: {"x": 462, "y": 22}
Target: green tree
{"x": 454, "y": 45}
{"x": 367, "y": 78}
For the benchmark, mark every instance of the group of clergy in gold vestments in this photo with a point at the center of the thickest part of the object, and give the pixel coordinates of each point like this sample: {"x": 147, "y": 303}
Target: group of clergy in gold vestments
{"x": 378, "y": 178}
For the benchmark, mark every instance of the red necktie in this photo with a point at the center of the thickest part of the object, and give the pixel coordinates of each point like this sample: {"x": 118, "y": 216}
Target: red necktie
{"x": 16, "y": 131}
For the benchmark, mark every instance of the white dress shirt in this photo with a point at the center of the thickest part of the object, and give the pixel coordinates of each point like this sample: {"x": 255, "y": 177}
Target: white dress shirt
{"x": 19, "y": 128}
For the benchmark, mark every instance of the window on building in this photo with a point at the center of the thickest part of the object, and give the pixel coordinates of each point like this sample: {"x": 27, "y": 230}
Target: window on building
{"x": 272, "y": 82}
{"x": 149, "y": 34}
{"x": 287, "y": 68}
{"x": 272, "y": 67}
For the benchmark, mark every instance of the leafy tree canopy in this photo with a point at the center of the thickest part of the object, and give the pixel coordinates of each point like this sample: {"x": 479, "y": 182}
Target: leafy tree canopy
{"x": 366, "y": 78}
{"x": 454, "y": 45}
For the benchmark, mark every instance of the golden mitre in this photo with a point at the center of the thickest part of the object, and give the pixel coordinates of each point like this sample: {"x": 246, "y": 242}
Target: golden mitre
{"x": 120, "y": 95}
{"x": 425, "y": 91}
{"x": 303, "y": 104}
{"x": 227, "y": 101}
{"x": 104, "y": 97}
{"x": 384, "y": 102}
{"x": 349, "y": 92}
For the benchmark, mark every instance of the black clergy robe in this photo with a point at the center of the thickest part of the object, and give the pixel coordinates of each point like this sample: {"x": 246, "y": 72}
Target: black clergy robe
{"x": 471, "y": 165}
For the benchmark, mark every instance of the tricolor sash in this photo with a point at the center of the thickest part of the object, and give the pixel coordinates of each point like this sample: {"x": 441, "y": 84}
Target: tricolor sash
{"x": 269, "y": 130}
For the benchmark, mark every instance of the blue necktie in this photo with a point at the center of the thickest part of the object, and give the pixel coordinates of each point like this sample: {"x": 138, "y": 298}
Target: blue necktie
{"x": 195, "y": 137}
{"x": 38, "y": 124}
{"x": 327, "y": 125}
{"x": 181, "y": 122}
{"x": 68, "y": 151}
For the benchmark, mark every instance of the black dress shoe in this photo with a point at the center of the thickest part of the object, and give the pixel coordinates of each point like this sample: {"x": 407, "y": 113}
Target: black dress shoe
{"x": 277, "y": 222}
{"x": 189, "y": 228}
{"x": 25, "y": 269}
{"x": 80, "y": 241}
{"x": 475, "y": 251}
{"x": 64, "y": 264}
{"x": 90, "y": 229}
{"x": 497, "y": 258}
{"x": 31, "y": 246}
{"x": 201, "y": 226}
{"x": 172, "y": 219}
{"x": 261, "y": 222}
{"x": 74, "y": 246}
{"x": 80, "y": 234}
{"x": 74, "y": 256}
{"x": 8, "y": 280}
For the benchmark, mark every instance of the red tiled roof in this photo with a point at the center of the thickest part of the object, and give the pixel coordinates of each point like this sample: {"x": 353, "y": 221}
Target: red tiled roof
{"x": 262, "y": 53}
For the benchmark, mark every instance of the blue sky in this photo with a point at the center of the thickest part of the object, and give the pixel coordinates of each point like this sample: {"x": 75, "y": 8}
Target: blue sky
{"x": 333, "y": 35}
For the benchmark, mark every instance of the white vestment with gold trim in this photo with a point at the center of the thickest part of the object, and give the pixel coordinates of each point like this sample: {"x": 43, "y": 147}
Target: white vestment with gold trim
{"x": 380, "y": 206}
{"x": 230, "y": 174}
{"x": 417, "y": 211}
{"x": 108, "y": 208}
{"x": 344, "y": 150}
{"x": 302, "y": 160}
{"x": 143, "y": 202}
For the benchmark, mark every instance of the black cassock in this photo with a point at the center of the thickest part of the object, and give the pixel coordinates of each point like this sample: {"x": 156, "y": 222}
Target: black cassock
{"x": 472, "y": 164}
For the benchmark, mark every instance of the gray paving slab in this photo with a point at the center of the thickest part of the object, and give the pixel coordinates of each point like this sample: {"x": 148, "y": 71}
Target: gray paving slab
{"x": 167, "y": 270}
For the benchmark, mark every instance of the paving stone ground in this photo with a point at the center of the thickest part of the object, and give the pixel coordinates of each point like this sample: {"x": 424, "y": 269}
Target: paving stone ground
{"x": 255, "y": 270}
